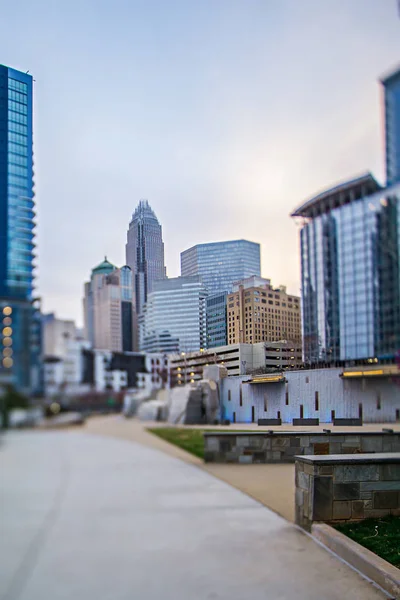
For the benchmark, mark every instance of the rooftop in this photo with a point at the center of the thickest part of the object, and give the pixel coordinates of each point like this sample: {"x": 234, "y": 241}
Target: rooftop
{"x": 144, "y": 211}
{"x": 253, "y": 281}
{"x": 224, "y": 243}
{"x": 342, "y": 193}
{"x": 104, "y": 268}
{"x": 391, "y": 75}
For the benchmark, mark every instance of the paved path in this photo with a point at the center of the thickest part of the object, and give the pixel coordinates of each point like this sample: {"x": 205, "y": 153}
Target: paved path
{"x": 270, "y": 484}
{"x": 85, "y": 517}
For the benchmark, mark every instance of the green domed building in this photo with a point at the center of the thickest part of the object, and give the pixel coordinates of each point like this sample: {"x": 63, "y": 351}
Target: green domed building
{"x": 104, "y": 268}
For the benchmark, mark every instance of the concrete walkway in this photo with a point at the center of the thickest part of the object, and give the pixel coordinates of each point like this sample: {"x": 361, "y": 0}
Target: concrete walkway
{"x": 272, "y": 485}
{"x": 86, "y": 517}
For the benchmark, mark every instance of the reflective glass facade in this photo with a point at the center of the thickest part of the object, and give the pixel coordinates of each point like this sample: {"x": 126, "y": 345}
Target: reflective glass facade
{"x": 391, "y": 85}
{"x": 216, "y": 320}
{"x": 350, "y": 249}
{"x": 176, "y": 307}
{"x": 17, "y": 226}
{"x": 16, "y": 185}
{"x": 220, "y": 264}
{"x": 125, "y": 282}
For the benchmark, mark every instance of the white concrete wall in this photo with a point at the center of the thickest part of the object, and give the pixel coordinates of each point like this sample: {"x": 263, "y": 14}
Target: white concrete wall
{"x": 342, "y": 396}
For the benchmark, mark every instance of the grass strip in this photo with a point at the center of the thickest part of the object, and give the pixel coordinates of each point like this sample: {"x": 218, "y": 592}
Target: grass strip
{"x": 381, "y": 536}
{"x": 190, "y": 440}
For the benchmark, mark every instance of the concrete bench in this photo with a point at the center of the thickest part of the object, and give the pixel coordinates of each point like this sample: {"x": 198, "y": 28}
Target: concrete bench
{"x": 348, "y": 422}
{"x": 269, "y": 422}
{"x": 348, "y": 487}
{"x": 305, "y": 421}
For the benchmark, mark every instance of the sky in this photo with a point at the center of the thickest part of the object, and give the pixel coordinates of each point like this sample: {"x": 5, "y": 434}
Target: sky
{"x": 224, "y": 114}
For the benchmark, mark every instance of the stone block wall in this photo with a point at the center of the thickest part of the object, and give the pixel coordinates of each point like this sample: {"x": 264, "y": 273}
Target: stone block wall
{"x": 264, "y": 447}
{"x": 336, "y": 489}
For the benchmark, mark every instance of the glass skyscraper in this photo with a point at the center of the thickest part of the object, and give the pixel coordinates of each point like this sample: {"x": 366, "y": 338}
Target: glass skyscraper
{"x": 175, "y": 312}
{"x": 220, "y": 264}
{"x": 144, "y": 252}
{"x": 217, "y": 334}
{"x": 391, "y": 85}
{"x": 350, "y": 249}
{"x": 21, "y": 339}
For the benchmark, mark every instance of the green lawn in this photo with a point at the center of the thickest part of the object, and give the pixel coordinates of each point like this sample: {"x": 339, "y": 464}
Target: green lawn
{"x": 381, "y": 536}
{"x": 190, "y": 440}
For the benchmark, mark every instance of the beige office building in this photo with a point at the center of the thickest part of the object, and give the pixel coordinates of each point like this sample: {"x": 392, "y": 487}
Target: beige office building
{"x": 257, "y": 312}
{"x": 109, "y": 314}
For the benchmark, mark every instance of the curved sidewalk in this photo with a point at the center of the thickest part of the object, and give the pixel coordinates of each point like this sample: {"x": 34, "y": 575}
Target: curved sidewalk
{"x": 270, "y": 484}
{"x": 87, "y": 517}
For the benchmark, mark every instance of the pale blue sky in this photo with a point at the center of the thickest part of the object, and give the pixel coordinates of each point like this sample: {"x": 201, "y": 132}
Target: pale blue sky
{"x": 224, "y": 114}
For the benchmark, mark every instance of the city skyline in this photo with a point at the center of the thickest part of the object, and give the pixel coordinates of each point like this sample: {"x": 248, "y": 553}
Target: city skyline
{"x": 203, "y": 126}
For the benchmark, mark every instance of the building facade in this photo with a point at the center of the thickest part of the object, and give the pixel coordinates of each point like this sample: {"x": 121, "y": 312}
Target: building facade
{"x": 238, "y": 359}
{"x": 391, "y": 86}
{"x": 220, "y": 264}
{"x": 56, "y": 334}
{"x": 157, "y": 341}
{"x": 177, "y": 308}
{"x": 217, "y": 334}
{"x": 109, "y": 313}
{"x": 21, "y": 345}
{"x": 322, "y": 394}
{"x": 155, "y": 375}
{"x": 63, "y": 372}
{"x": 350, "y": 249}
{"x": 257, "y": 312}
{"x": 83, "y": 371}
{"x": 144, "y": 252}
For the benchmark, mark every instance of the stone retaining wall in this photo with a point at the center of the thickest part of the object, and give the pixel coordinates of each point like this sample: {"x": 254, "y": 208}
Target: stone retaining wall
{"x": 336, "y": 489}
{"x": 264, "y": 447}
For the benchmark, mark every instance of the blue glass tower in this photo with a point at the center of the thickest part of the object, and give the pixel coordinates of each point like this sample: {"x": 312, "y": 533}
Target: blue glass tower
{"x": 217, "y": 330}
{"x": 350, "y": 257}
{"x": 20, "y": 329}
{"x": 220, "y": 264}
{"x": 391, "y": 85}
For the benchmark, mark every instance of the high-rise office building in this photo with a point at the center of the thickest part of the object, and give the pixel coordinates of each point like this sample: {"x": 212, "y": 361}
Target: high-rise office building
{"x": 20, "y": 350}
{"x": 350, "y": 250}
{"x": 391, "y": 86}
{"x": 258, "y": 312}
{"x": 217, "y": 333}
{"x": 220, "y": 264}
{"x": 176, "y": 311}
{"x": 144, "y": 252}
{"x": 109, "y": 313}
